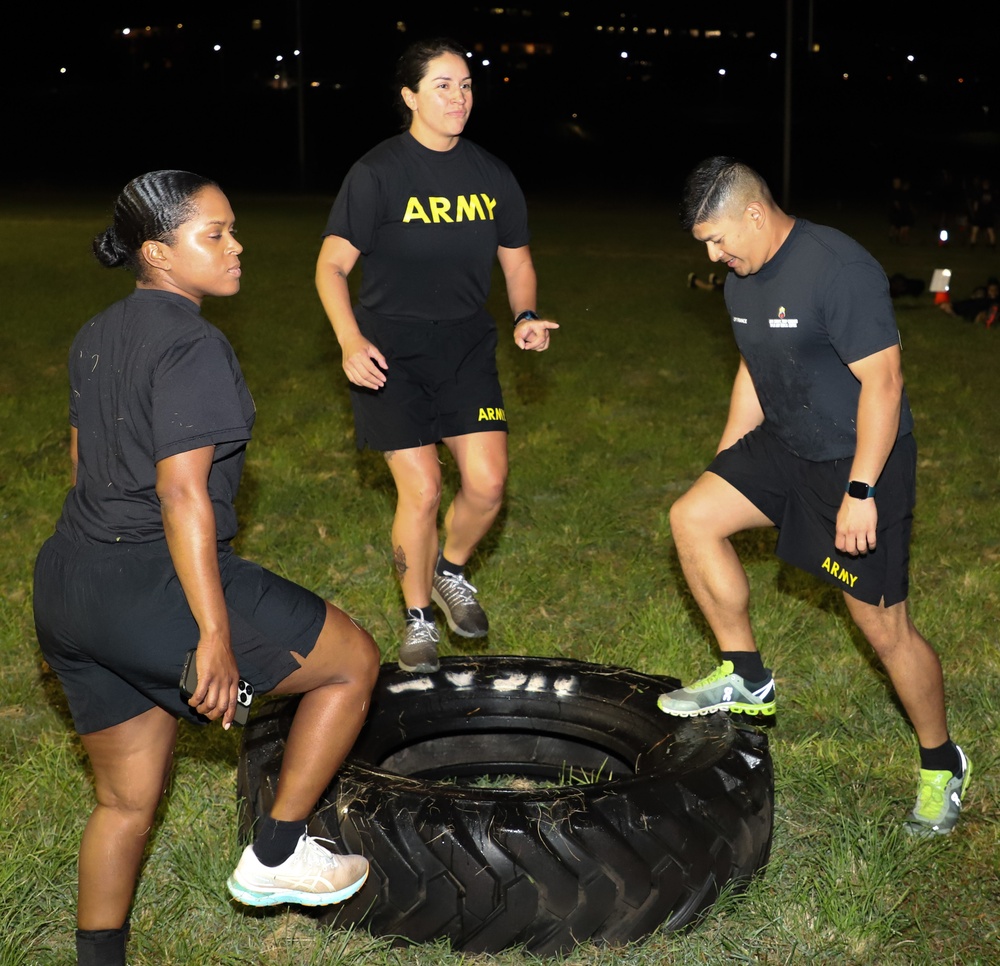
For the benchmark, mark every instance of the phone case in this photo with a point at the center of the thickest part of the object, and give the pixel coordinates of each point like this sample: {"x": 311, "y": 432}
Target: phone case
{"x": 189, "y": 684}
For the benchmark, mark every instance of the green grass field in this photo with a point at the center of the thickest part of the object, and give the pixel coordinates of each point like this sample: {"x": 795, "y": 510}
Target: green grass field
{"x": 608, "y": 427}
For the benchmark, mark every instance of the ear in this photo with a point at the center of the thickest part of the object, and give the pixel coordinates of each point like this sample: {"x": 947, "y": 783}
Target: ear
{"x": 757, "y": 214}
{"x": 156, "y": 254}
{"x": 409, "y": 98}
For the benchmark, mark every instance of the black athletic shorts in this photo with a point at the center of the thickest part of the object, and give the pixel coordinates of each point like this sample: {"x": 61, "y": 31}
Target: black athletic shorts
{"x": 114, "y": 625}
{"x": 802, "y": 499}
{"x": 441, "y": 381}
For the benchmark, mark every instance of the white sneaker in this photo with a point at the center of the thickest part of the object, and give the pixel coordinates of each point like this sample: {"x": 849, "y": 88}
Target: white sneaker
{"x": 310, "y": 876}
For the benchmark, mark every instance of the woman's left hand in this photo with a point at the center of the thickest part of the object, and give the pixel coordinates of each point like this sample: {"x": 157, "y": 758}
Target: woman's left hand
{"x": 533, "y": 334}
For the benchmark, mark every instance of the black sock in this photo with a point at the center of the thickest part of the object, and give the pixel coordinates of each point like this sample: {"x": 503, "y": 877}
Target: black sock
{"x": 447, "y": 567}
{"x": 276, "y": 840}
{"x": 420, "y": 613}
{"x": 748, "y": 665}
{"x": 943, "y": 758}
{"x": 101, "y": 947}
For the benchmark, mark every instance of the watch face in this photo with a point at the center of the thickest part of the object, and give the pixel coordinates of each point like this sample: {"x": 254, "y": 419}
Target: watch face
{"x": 858, "y": 490}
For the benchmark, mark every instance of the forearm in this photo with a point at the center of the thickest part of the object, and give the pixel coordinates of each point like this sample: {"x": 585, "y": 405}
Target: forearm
{"x": 335, "y": 294}
{"x": 745, "y": 412}
{"x": 337, "y": 257}
{"x": 877, "y": 427}
{"x": 522, "y": 291}
{"x": 189, "y": 527}
{"x": 520, "y": 279}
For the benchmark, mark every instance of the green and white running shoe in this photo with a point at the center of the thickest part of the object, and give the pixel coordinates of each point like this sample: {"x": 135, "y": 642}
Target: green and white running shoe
{"x": 722, "y": 690}
{"x": 939, "y": 800}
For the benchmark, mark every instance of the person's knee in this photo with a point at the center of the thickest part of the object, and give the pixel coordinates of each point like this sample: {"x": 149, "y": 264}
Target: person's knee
{"x": 889, "y": 631}
{"x": 486, "y": 489}
{"x": 369, "y": 658}
{"x": 421, "y": 496}
{"x": 352, "y": 654}
{"x": 690, "y": 515}
{"x": 133, "y": 804}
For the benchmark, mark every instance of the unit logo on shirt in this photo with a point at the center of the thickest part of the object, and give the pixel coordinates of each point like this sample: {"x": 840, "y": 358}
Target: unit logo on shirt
{"x": 435, "y": 210}
{"x": 781, "y": 322}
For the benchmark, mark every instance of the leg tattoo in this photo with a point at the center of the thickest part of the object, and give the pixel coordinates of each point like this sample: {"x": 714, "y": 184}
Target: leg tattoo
{"x": 399, "y": 559}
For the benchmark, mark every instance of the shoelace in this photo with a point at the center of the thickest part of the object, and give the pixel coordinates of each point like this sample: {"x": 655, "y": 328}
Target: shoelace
{"x": 422, "y": 632}
{"x": 320, "y": 861}
{"x": 457, "y": 589}
{"x": 930, "y": 795}
{"x": 720, "y": 672}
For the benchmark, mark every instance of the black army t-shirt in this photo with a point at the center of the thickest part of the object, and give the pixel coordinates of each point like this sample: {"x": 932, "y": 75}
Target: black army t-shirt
{"x": 150, "y": 378}
{"x": 428, "y": 224}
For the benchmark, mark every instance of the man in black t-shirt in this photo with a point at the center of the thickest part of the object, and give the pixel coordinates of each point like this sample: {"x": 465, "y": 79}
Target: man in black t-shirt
{"x": 818, "y": 421}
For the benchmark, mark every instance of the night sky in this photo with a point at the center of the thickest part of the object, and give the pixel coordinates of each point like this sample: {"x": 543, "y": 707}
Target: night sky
{"x": 92, "y": 107}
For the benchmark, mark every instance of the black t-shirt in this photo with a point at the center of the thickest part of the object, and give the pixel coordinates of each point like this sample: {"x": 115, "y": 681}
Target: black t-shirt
{"x": 150, "y": 378}
{"x": 820, "y": 303}
{"x": 428, "y": 224}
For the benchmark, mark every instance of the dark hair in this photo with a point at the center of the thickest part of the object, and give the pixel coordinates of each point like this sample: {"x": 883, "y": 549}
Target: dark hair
{"x": 718, "y": 185}
{"x": 412, "y": 65}
{"x": 150, "y": 208}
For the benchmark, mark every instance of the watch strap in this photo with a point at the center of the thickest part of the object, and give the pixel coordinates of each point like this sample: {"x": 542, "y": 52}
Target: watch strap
{"x": 860, "y": 490}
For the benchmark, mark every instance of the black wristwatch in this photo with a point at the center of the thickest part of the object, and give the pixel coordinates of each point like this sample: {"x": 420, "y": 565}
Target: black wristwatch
{"x": 859, "y": 490}
{"x": 526, "y": 316}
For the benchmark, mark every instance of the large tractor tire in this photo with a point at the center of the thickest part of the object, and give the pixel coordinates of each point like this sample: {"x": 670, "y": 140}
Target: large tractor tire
{"x": 532, "y": 802}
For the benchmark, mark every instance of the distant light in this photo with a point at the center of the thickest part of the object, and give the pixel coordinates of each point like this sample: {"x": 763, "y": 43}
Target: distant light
{"x": 722, "y": 71}
{"x": 624, "y": 55}
{"x": 62, "y": 70}
{"x": 845, "y": 75}
{"x": 943, "y": 236}
{"x": 126, "y": 31}
{"x": 296, "y": 53}
{"x": 217, "y": 48}
{"x": 910, "y": 58}
{"x": 486, "y": 62}
{"x": 279, "y": 58}
{"x": 774, "y": 55}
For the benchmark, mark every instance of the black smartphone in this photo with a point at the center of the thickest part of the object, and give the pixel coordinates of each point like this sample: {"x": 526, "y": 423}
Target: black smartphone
{"x": 189, "y": 684}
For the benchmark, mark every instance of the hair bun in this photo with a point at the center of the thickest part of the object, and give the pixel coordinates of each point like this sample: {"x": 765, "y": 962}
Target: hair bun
{"x": 109, "y": 250}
